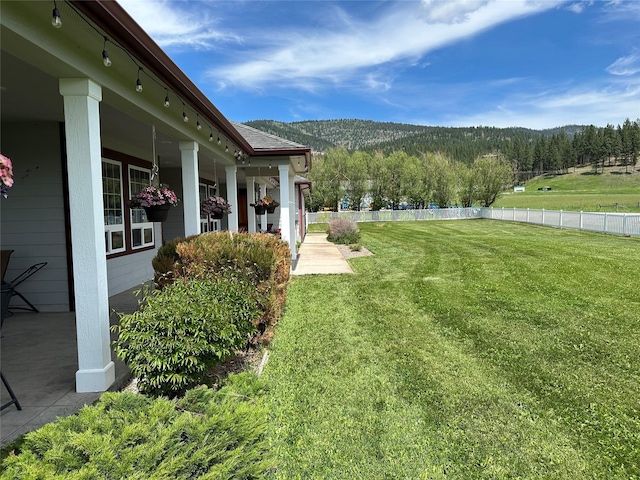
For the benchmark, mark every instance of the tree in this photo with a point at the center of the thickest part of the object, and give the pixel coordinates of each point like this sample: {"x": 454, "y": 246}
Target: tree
{"x": 491, "y": 174}
{"x": 357, "y": 176}
{"x": 440, "y": 172}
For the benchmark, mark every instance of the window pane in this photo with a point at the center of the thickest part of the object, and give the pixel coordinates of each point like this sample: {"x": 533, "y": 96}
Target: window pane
{"x": 137, "y": 237}
{"x": 148, "y": 235}
{"x": 117, "y": 240}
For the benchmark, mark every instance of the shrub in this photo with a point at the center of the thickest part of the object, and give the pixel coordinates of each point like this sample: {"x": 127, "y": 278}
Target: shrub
{"x": 214, "y": 434}
{"x": 185, "y": 329}
{"x": 343, "y": 231}
{"x": 263, "y": 259}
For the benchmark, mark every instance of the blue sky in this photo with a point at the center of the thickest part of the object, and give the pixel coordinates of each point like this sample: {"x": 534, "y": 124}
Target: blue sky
{"x": 528, "y": 63}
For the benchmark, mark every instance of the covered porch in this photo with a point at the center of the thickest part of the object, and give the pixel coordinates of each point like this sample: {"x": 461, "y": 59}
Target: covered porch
{"x": 85, "y": 135}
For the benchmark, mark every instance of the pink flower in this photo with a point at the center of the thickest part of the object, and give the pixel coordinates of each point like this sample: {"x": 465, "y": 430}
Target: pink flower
{"x": 6, "y": 174}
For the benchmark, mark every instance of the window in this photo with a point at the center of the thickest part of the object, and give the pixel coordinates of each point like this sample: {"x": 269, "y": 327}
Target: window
{"x": 141, "y": 227}
{"x": 113, "y": 207}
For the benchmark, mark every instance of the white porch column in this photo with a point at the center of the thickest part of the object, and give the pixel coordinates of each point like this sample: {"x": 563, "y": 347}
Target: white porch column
{"x": 190, "y": 188}
{"x": 96, "y": 371}
{"x": 263, "y": 217}
{"x": 286, "y": 232}
{"x": 232, "y": 196}
{"x": 251, "y": 198}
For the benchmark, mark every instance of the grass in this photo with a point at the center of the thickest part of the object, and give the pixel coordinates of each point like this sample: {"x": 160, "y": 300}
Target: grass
{"x": 582, "y": 190}
{"x": 463, "y": 350}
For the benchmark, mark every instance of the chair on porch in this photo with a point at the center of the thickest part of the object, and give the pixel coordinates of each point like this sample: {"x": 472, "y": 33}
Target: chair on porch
{"x": 6, "y": 255}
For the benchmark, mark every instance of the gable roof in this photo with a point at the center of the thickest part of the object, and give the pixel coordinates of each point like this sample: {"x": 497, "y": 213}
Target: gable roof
{"x": 263, "y": 141}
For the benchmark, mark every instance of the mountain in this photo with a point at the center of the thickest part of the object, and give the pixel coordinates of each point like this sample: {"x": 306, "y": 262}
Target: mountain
{"x": 463, "y": 143}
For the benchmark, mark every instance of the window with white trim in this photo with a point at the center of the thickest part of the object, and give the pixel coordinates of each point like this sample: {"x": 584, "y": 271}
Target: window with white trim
{"x": 141, "y": 227}
{"x": 113, "y": 206}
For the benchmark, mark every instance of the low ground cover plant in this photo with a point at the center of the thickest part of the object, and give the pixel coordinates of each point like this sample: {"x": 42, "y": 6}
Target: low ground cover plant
{"x": 206, "y": 434}
{"x": 343, "y": 231}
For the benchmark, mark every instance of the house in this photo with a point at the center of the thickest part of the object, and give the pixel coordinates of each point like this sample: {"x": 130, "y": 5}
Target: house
{"x": 518, "y": 188}
{"x": 93, "y": 110}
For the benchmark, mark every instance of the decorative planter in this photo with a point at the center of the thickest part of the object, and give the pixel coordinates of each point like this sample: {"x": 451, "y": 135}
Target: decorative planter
{"x": 271, "y": 209}
{"x": 217, "y": 216}
{"x": 157, "y": 213}
{"x": 260, "y": 209}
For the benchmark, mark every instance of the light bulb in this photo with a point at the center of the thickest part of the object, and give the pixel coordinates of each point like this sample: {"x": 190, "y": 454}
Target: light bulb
{"x": 166, "y": 101}
{"x": 56, "y": 21}
{"x": 184, "y": 117}
{"x": 105, "y": 59}
{"x": 226, "y": 148}
{"x": 198, "y": 125}
{"x": 138, "y": 86}
{"x": 211, "y": 137}
{"x": 219, "y": 141}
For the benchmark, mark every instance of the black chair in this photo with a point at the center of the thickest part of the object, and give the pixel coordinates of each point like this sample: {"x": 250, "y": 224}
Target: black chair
{"x": 14, "y": 399}
{"x": 21, "y": 278}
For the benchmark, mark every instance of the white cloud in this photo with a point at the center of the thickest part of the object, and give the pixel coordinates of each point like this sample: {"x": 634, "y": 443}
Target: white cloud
{"x": 446, "y": 11}
{"x": 400, "y": 34}
{"x": 598, "y": 105}
{"x": 172, "y": 25}
{"x": 629, "y": 65}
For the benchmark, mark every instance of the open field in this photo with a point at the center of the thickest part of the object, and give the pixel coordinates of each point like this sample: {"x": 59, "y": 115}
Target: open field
{"x": 468, "y": 349}
{"x": 581, "y": 190}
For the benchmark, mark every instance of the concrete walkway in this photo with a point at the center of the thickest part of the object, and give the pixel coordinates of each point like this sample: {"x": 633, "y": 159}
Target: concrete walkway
{"x": 318, "y": 256}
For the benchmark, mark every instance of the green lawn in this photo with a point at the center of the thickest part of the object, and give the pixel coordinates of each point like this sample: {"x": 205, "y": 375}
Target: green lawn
{"x": 582, "y": 190}
{"x": 463, "y": 349}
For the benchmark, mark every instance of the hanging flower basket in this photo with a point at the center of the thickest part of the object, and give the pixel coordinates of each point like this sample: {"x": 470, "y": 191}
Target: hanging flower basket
{"x": 214, "y": 206}
{"x": 157, "y": 213}
{"x": 265, "y": 203}
{"x": 156, "y": 201}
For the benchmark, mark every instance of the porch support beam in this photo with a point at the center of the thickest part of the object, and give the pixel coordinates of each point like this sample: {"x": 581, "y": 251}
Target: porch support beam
{"x": 190, "y": 187}
{"x": 82, "y": 96}
{"x": 263, "y": 217}
{"x": 287, "y": 209}
{"x": 232, "y": 195}
{"x": 251, "y": 198}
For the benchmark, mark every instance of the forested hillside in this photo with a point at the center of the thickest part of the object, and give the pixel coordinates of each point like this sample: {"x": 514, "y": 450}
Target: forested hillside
{"x": 462, "y": 143}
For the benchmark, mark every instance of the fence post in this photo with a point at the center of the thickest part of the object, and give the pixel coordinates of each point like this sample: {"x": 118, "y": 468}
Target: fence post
{"x": 624, "y": 224}
{"x": 528, "y": 215}
{"x": 580, "y": 228}
{"x": 514, "y": 214}
{"x": 605, "y": 222}
{"x": 543, "y": 216}
{"x": 560, "y": 221}
{"x": 502, "y": 214}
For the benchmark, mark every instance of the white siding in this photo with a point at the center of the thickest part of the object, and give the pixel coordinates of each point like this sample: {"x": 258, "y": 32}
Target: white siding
{"x": 129, "y": 271}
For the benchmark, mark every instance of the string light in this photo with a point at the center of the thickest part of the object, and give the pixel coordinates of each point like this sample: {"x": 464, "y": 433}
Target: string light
{"x": 166, "y": 99}
{"x": 198, "y": 125}
{"x": 219, "y": 141}
{"x": 226, "y": 148}
{"x": 210, "y": 135}
{"x": 56, "y": 21}
{"x": 139, "y": 82}
{"x": 184, "y": 114}
{"x": 105, "y": 56}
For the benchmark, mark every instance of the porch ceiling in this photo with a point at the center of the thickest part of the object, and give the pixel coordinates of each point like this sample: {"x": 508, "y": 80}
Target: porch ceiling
{"x": 29, "y": 92}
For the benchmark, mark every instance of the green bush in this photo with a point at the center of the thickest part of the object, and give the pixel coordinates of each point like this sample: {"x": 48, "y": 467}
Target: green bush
{"x": 343, "y": 231}
{"x": 262, "y": 259}
{"x": 185, "y": 329}
{"x": 206, "y": 434}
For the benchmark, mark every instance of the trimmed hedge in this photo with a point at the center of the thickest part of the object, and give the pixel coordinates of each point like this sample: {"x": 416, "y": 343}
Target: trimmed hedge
{"x": 263, "y": 259}
{"x": 206, "y": 434}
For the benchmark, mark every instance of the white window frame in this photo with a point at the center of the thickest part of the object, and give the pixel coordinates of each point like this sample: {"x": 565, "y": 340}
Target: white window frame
{"x": 144, "y": 226}
{"x": 110, "y": 228}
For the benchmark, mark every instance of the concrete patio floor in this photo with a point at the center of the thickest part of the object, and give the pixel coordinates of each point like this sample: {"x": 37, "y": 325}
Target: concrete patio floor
{"x": 39, "y": 360}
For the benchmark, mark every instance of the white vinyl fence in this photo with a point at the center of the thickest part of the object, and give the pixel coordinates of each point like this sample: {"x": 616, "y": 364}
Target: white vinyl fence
{"x": 613, "y": 223}
{"x": 605, "y": 222}
{"x": 398, "y": 215}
